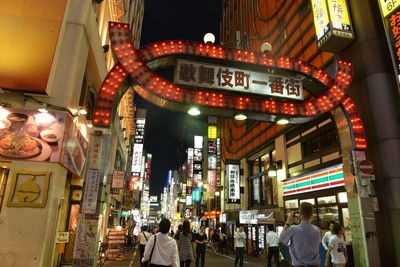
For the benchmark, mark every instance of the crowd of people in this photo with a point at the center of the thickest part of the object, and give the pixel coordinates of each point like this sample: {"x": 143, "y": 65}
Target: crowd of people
{"x": 166, "y": 248}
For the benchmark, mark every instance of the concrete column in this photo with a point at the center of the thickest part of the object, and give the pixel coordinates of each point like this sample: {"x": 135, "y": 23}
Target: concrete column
{"x": 375, "y": 93}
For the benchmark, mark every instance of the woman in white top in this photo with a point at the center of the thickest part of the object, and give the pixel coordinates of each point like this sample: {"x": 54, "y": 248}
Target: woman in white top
{"x": 143, "y": 238}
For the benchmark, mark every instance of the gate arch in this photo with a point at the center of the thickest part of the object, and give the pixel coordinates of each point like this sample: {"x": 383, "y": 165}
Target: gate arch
{"x": 133, "y": 70}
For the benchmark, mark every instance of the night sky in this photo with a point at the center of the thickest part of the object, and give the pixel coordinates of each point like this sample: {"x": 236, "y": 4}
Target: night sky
{"x": 172, "y": 20}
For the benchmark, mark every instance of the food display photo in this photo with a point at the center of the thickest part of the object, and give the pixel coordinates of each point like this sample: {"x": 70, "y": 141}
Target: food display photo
{"x": 31, "y": 135}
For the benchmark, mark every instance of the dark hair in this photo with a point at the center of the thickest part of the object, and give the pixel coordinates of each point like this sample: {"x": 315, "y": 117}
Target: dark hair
{"x": 270, "y": 227}
{"x": 165, "y": 225}
{"x": 186, "y": 227}
{"x": 337, "y": 228}
{"x": 306, "y": 209}
{"x": 331, "y": 222}
{"x": 144, "y": 228}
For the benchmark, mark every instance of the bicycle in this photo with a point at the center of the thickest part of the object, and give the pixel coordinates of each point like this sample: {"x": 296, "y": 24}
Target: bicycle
{"x": 101, "y": 254}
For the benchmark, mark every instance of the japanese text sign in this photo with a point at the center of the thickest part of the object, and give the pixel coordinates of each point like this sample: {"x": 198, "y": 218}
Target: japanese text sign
{"x": 233, "y": 180}
{"x": 237, "y": 80}
{"x": 92, "y": 184}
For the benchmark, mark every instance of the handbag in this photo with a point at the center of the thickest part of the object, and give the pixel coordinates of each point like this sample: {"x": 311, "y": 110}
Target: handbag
{"x": 148, "y": 263}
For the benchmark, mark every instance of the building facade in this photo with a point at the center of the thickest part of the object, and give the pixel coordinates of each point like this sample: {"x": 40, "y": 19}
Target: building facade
{"x": 309, "y": 151}
{"x": 56, "y": 56}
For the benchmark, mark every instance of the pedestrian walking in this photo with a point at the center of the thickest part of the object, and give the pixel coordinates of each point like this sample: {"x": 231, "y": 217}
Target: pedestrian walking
{"x": 240, "y": 238}
{"x": 215, "y": 240}
{"x": 200, "y": 239}
{"x": 337, "y": 248}
{"x": 165, "y": 251}
{"x": 143, "y": 236}
{"x": 304, "y": 238}
{"x": 272, "y": 246}
{"x": 185, "y": 245}
{"x": 223, "y": 243}
{"x": 325, "y": 239}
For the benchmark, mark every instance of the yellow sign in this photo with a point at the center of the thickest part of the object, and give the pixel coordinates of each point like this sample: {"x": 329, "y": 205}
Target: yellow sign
{"x": 339, "y": 14}
{"x": 212, "y": 132}
{"x": 388, "y": 6}
{"x": 321, "y": 17}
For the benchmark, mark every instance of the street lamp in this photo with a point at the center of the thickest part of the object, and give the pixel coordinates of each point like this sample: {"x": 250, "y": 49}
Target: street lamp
{"x": 209, "y": 38}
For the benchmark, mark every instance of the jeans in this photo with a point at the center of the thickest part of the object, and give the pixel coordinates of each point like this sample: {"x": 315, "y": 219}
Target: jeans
{"x": 239, "y": 256}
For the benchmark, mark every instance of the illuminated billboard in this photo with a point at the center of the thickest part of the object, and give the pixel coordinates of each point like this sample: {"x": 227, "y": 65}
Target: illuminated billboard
{"x": 332, "y": 25}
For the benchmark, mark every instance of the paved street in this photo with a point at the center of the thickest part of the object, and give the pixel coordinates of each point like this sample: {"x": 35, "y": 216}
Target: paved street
{"x": 212, "y": 260}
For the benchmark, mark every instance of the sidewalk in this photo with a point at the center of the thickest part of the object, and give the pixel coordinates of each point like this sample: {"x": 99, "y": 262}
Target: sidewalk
{"x": 131, "y": 255}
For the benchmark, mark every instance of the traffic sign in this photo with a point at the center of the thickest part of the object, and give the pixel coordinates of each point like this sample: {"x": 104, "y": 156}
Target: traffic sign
{"x": 365, "y": 166}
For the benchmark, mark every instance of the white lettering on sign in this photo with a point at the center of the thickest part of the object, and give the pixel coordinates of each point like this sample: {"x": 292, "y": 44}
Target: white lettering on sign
{"x": 248, "y": 216}
{"x": 233, "y": 181}
{"x": 238, "y": 80}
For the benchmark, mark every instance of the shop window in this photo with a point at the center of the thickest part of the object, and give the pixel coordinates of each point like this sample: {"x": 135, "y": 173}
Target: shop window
{"x": 327, "y": 214}
{"x": 292, "y": 204}
{"x": 342, "y": 197}
{"x": 310, "y": 200}
{"x": 326, "y": 200}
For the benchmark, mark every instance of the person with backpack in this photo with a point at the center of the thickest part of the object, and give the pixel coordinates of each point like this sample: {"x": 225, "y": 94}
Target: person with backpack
{"x": 144, "y": 236}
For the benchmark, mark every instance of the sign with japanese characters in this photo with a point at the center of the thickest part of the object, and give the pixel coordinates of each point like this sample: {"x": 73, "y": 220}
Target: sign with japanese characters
{"x": 92, "y": 185}
{"x": 392, "y": 24}
{"x": 388, "y": 6}
{"x": 118, "y": 179}
{"x": 237, "y": 80}
{"x": 248, "y": 216}
{"x": 233, "y": 180}
{"x": 332, "y": 24}
{"x": 137, "y": 157}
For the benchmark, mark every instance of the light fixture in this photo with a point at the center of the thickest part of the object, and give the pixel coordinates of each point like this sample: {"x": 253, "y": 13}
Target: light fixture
{"x": 194, "y": 111}
{"x": 89, "y": 124}
{"x": 266, "y": 48}
{"x": 282, "y": 121}
{"x": 240, "y": 117}
{"x": 43, "y": 108}
{"x": 82, "y": 111}
{"x": 274, "y": 167}
{"x": 217, "y": 193}
{"x": 209, "y": 38}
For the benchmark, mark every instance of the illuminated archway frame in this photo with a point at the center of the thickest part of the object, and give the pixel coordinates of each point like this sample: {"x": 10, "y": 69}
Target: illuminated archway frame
{"x": 132, "y": 66}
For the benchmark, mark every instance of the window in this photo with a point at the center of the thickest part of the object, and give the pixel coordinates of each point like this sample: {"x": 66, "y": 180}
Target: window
{"x": 319, "y": 142}
{"x": 263, "y": 189}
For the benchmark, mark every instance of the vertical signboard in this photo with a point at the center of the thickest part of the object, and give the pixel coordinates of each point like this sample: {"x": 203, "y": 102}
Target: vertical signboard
{"x": 85, "y": 242}
{"x": 233, "y": 180}
{"x": 392, "y": 28}
{"x": 92, "y": 185}
{"x": 118, "y": 179}
{"x": 332, "y": 25}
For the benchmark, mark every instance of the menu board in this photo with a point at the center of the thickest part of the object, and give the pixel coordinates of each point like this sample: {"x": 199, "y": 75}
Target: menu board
{"x": 116, "y": 244}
